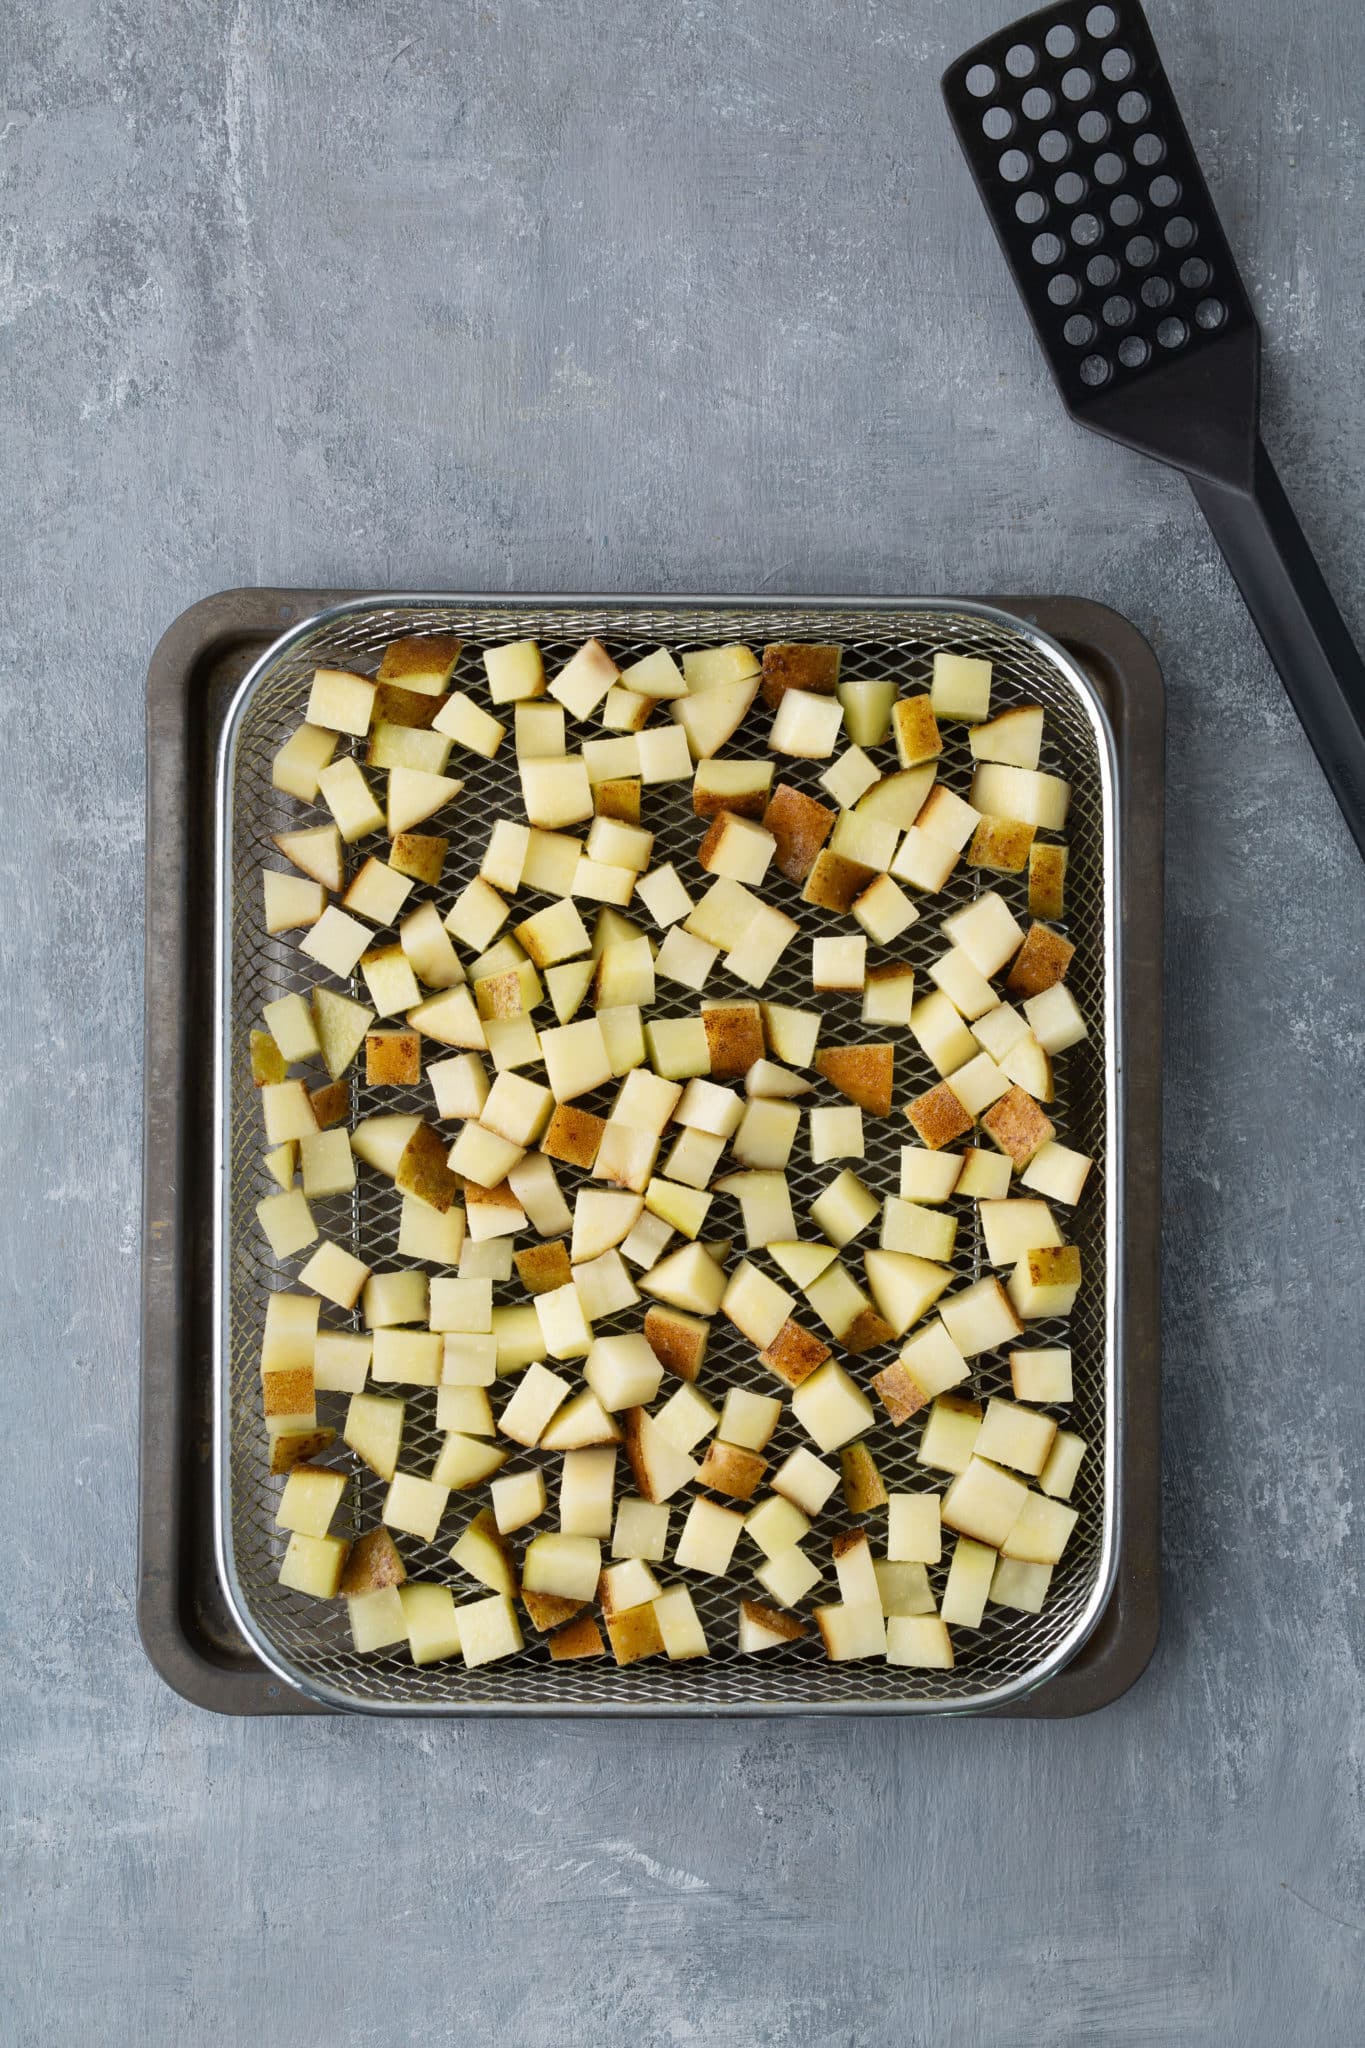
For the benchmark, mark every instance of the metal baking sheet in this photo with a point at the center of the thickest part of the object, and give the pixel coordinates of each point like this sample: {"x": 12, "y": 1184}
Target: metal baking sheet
{"x": 858, "y": 625}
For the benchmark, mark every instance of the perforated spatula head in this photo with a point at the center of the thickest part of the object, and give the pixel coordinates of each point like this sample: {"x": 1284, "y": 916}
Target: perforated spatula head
{"x": 1071, "y": 129}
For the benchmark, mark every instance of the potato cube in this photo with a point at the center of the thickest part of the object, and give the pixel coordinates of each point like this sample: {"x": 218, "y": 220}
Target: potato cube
{"x": 336, "y": 942}
{"x": 928, "y": 1176}
{"x": 349, "y": 798}
{"x": 1020, "y": 1585}
{"x": 923, "y": 861}
{"x": 1042, "y": 1375}
{"x": 933, "y": 1360}
{"x": 515, "y": 671}
{"x": 1058, "y": 1475}
{"x": 985, "y": 1176}
{"x": 394, "y": 1299}
{"x": 413, "y": 1357}
{"x": 920, "y": 1642}
{"x": 1022, "y": 793}
{"x": 414, "y": 795}
{"x": 950, "y": 1434}
{"x": 678, "y": 1341}
{"x": 687, "y": 1279}
{"x": 432, "y": 1623}
{"x": 888, "y": 994}
{"x": 566, "y": 1566}
{"x": 969, "y": 1583}
{"x": 850, "y": 1632}
{"x": 1017, "y": 1437}
{"x": 708, "y": 1540}
{"x": 846, "y": 1207}
{"x": 311, "y": 1496}
{"x": 766, "y": 1134}
{"x": 830, "y": 1408}
{"x": 730, "y": 1469}
{"x": 586, "y": 1490}
{"x": 984, "y": 1502}
{"x": 978, "y": 1084}
{"x": 314, "y": 1564}
{"x": 927, "y": 1233}
{"x": 915, "y": 731}
{"x": 376, "y": 1619}
{"x": 291, "y": 901}
{"x": 287, "y": 1222}
{"x": 806, "y": 725}
{"x": 903, "y": 1589}
{"x": 794, "y": 1353}
{"x": 664, "y": 754}
{"x": 1002, "y": 845}
{"x": 415, "y": 1505}
{"x": 961, "y": 687}
{"x": 838, "y": 963}
{"x": 884, "y": 910}
{"x": 1047, "y": 881}
{"x": 335, "y": 1274}
{"x": 564, "y": 1327}
{"x": 623, "y": 1371}
{"x": 914, "y": 1528}
{"x": 939, "y": 1117}
{"x": 1041, "y": 962}
{"x": 736, "y": 847}
{"x": 777, "y": 1523}
{"x": 660, "y": 1468}
{"x": 694, "y": 1158}
{"x": 748, "y": 1420}
{"x": 641, "y": 1530}
{"x": 1054, "y": 1019}
{"x": 1045, "y": 1282}
{"x": 301, "y": 760}
{"x": 1042, "y": 1532}
{"x": 575, "y": 1058}
{"x": 463, "y": 1411}
{"x": 291, "y": 1332}
{"x": 539, "y": 1395}
{"x": 788, "y": 1575}
{"x": 1059, "y": 1172}
{"x": 756, "y": 1305}
{"x": 867, "y": 702}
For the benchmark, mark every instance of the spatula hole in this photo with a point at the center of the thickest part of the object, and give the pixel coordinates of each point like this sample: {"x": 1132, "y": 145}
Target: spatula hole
{"x": 1053, "y": 146}
{"x": 1117, "y": 311}
{"x": 1133, "y": 351}
{"x": 1134, "y": 107}
{"x": 1030, "y": 208}
{"x": 1194, "y": 273}
{"x": 980, "y": 81}
{"x": 1021, "y": 61}
{"x": 996, "y": 124}
{"x": 1156, "y": 293}
{"x": 1125, "y": 211}
{"x": 1109, "y": 168}
{"x": 1063, "y": 289}
{"x": 1179, "y": 232}
{"x": 1101, "y": 22}
{"x": 1077, "y": 84}
{"x": 1140, "y": 252}
{"x": 1047, "y": 250}
{"x": 1173, "y": 333}
{"x": 1037, "y": 103}
{"x": 1095, "y": 371}
{"x": 1116, "y": 66}
{"x": 1085, "y": 230}
{"x": 1092, "y": 127}
{"x": 1163, "y": 191}
{"x": 1070, "y": 188}
{"x": 1148, "y": 151}
{"x": 1014, "y": 166}
{"x": 1079, "y": 330}
{"x": 1060, "y": 41}
{"x": 1209, "y": 314}
{"x": 1102, "y": 271}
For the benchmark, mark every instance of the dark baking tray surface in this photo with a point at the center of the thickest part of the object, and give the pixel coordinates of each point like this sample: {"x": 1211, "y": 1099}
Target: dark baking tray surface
{"x": 186, "y": 1626}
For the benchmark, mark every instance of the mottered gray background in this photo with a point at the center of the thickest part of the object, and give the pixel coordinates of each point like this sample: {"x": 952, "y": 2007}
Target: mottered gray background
{"x": 605, "y": 297}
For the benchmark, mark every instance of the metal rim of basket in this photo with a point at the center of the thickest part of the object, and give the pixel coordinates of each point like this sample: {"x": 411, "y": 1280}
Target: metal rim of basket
{"x": 775, "y": 609}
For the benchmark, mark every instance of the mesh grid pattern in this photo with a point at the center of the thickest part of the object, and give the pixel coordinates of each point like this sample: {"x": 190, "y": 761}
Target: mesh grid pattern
{"x": 309, "y": 1640}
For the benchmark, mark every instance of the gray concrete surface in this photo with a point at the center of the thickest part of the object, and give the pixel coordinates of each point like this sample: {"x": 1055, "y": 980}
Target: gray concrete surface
{"x": 606, "y": 296}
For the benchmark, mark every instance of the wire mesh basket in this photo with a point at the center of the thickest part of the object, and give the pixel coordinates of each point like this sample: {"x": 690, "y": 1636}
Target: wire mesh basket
{"x": 307, "y": 1642}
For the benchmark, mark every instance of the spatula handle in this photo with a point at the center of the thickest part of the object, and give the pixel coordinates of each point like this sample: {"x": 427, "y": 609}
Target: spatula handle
{"x": 1296, "y": 615}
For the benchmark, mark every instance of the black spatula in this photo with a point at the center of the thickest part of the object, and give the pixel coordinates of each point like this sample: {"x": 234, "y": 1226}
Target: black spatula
{"x": 1074, "y": 138}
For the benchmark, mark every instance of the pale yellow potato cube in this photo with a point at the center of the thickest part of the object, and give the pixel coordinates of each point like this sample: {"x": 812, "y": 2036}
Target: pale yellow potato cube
{"x": 928, "y": 1176}
{"x": 414, "y": 795}
{"x": 846, "y": 1207}
{"x": 777, "y": 1523}
{"x": 576, "y": 1058}
{"x": 1014, "y": 1436}
{"x": 664, "y": 754}
{"x": 465, "y": 722}
{"x": 432, "y": 1624}
{"x": 287, "y": 1222}
{"x": 336, "y": 942}
{"x": 950, "y": 1434}
{"x": 766, "y": 1134}
{"x": 1054, "y": 1019}
{"x": 291, "y": 901}
{"x": 831, "y": 1408}
{"x": 585, "y": 679}
{"x": 985, "y": 1175}
{"x": 706, "y": 1106}
{"x": 539, "y": 1395}
{"x": 1059, "y": 1172}
{"x": 641, "y": 1530}
{"x": 425, "y": 1233}
{"x": 926, "y": 1233}
{"x": 408, "y": 1357}
{"x": 374, "y": 1431}
{"x": 850, "y": 1632}
{"x": 933, "y": 1360}
{"x": 336, "y": 1274}
{"x": 290, "y": 1338}
{"x": 1043, "y": 1375}
{"x": 838, "y": 963}
{"x": 1045, "y": 1282}
{"x": 920, "y": 1642}
{"x": 983, "y": 1502}
{"x": 464, "y": 1411}
{"x": 664, "y": 896}
{"x": 489, "y": 1630}
{"x": 789, "y": 1575}
{"x": 391, "y": 1299}
{"x": 566, "y": 1330}
{"x": 1058, "y": 1476}
{"x": 966, "y": 988}
{"x": 756, "y": 1305}
{"x": 566, "y": 1566}
{"x": 924, "y": 862}
{"x": 708, "y": 1540}
{"x": 980, "y": 1318}
{"x": 941, "y": 1034}
{"x": 687, "y": 1416}
{"x": 1020, "y": 1585}
{"x": 850, "y": 777}
{"x": 978, "y": 1084}
{"x": 377, "y": 1619}
{"x": 301, "y": 760}
{"x": 914, "y": 1531}
{"x": 969, "y": 1583}
{"x": 518, "y": 1498}
{"x": 311, "y": 1496}
{"x": 389, "y": 980}
{"x": 314, "y": 1564}
{"x": 903, "y": 1589}
{"x": 806, "y": 725}
{"x": 1021, "y": 793}
{"x": 1016, "y": 1226}
{"x": 680, "y": 1625}
{"x": 349, "y": 798}
{"x": 960, "y": 687}
{"x": 466, "y": 1461}
{"x": 1042, "y": 1532}
{"x": 586, "y": 1491}
{"x": 836, "y": 1132}
{"x": 694, "y": 1158}
{"x": 748, "y": 1419}
{"x": 623, "y": 1371}
{"x": 884, "y": 910}
{"x": 415, "y": 1505}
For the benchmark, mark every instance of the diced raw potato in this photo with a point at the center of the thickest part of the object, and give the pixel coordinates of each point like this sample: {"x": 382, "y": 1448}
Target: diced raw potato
{"x": 596, "y": 882}
{"x": 489, "y": 1630}
{"x": 313, "y": 1564}
{"x": 950, "y": 1433}
{"x": 707, "y": 668}
{"x": 688, "y": 1279}
{"x": 777, "y": 1523}
{"x": 799, "y": 665}
{"x": 1041, "y": 962}
{"x": 478, "y": 913}
{"x": 939, "y": 1117}
{"x": 694, "y": 1158}
{"x": 986, "y": 931}
{"x": 933, "y": 1360}
{"x": 736, "y": 847}
{"x": 414, "y": 795}
{"x": 287, "y": 1222}
{"x": 381, "y": 1141}
{"x": 465, "y": 1410}
{"x": 1017, "y": 1437}
{"x": 568, "y": 1567}
{"x": 864, "y": 1073}
{"x": 575, "y": 1058}
{"x": 336, "y": 942}
{"x": 1030, "y": 1068}
{"x": 839, "y": 963}
{"x": 1020, "y": 1585}
{"x": 806, "y": 725}
{"x": 469, "y": 726}
{"x": 389, "y": 980}
{"x": 291, "y": 901}
{"x": 767, "y": 1081}
{"x": 919, "y": 1642}
{"x": 393, "y": 1300}
{"x": 708, "y": 1540}
{"x": 710, "y": 717}
{"x": 376, "y": 1619}
{"x": 981, "y": 1318}
{"x": 580, "y": 1424}
{"x": 625, "y": 974}
{"x": 290, "y": 1023}
{"x": 348, "y": 797}
{"x": 634, "y": 1634}
{"x": 660, "y": 1468}
{"x": 626, "y": 1585}
{"x": 482, "y": 1156}
{"x": 794, "y": 1354}
{"x": 862, "y": 1482}
{"x": 460, "y": 1085}
{"x": 564, "y": 1327}
{"x": 301, "y": 760}
{"x": 657, "y": 676}
{"x": 575, "y": 1136}
{"x": 1018, "y": 1126}
{"x": 467, "y": 1461}
{"x": 1014, "y": 1227}
{"x": 914, "y": 1529}
{"x": 903, "y": 1588}
{"x": 641, "y": 1530}
{"x": 888, "y": 994}
{"x": 289, "y": 1408}
{"x": 623, "y": 1371}
{"x": 311, "y": 1496}
{"x": 1000, "y": 1029}
{"x": 407, "y": 746}
{"x": 291, "y": 1332}
{"x": 539, "y": 731}
{"x": 682, "y": 1208}
{"x": 723, "y": 916}
{"x": 1033, "y": 798}
{"x": 281, "y": 1162}
{"x": 480, "y": 1549}
{"x": 1054, "y": 1019}
{"x": 928, "y": 1176}
{"x": 927, "y": 1233}
{"x": 969, "y": 1583}
{"x": 678, "y": 1047}
{"x": 504, "y": 857}
{"x": 551, "y": 861}
{"x": 626, "y": 1157}
{"x": 869, "y": 842}
{"x": 925, "y": 863}
{"x": 733, "y": 1470}
{"x": 680, "y": 1625}
{"x": 978, "y": 1084}
{"x": 664, "y": 754}
{"x": 966, "y": 988}
{"x": 1047, "y": 881}
{"x": 568, "y": 985}
{"x": 1042, "y": 1375}
{"x": 850, "y": 1632}
{"x": 788, "y": 1575}
{"x": 664, "y": 896}
{"x": 802, "y": 1263}
{"x": 845, "y": 1208}
{"x": 491, "y": 1260}
{"x": 586, "y": 1491}
{"x": 516, "y": 1335}
{"x": 983, "y": 1502}
{"x": 1045, "y": 1282}
{"x": 415, "y": 1505}
{"x": 748, "y": 1420}
{"x": 766, "y": 1134}
{"x": 406, "y": 1357}
{"x": 867, "y": 702}
{"x": 539, "y": 1395}
{"x": 904, "y": 1287}
{"x": 946, "y": 818}
{"x": 585, "y": 679}
{"x": 961, "y": 687}
{"x": 554, "y": 934}
{"x": 1058, "y": 1476}
{"x": 850, "y": 777}
{"x": 1002, "y": 845}
{"x": 985, "y": 1176}
{"x": 604, "y": 1286}
{"x": 739, "y": 786}
{"x": 677, "y": 1340}
{"x": 1058, "y": 1172}
{"x": 432, "y": 1622}
{"x": 1014, "y": 737}
{"x": 853, "y": 1568}
{"x": 756, "y": 1305}
{"x": 465, "y": 1306}
{"x": 421, "y": 662}
{"x": 602, "y": 1218}
{"x": 915, "y": 731}
{"x": 1042, "y": 1532}
{"x": 335, "y": 1274}
{"x": 686, "y": 1417}
{"x": 884, "y": 910}
{"x": 830, "y": 1408}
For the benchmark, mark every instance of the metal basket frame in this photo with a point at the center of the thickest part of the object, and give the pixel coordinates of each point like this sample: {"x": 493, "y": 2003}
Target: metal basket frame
{"x": 306, "y": 1643}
